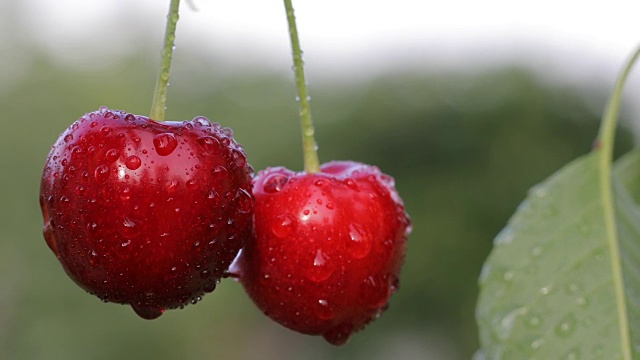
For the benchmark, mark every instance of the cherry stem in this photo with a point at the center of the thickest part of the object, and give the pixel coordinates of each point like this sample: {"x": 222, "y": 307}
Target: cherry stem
{"x": 309, "y": 147}
{"x": 159, "y": 106}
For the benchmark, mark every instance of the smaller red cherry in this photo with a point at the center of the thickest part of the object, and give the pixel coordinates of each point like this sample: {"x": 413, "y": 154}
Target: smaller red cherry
{"x": 328, "y": 247}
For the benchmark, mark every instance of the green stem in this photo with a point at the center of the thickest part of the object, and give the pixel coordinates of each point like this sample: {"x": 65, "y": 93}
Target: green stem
{"x": 607, "y": 130}
{"x": 159, "y": 106}
{"x": 604, "y": 145}
{"x": 309, "y": 147}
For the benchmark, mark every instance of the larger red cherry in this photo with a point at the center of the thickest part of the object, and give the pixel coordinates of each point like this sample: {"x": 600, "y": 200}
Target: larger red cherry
{"x": 328, "y": 249}
{"x": 146, "y": 213}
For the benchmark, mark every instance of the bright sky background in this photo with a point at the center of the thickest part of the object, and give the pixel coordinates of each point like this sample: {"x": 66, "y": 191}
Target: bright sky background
{"x": 356, "y": 37}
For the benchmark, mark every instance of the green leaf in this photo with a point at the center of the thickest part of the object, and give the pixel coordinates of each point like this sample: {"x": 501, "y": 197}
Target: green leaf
{"x": 563, "y": 279}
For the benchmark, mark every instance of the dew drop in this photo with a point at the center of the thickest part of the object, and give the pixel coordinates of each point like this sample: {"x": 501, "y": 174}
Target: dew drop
{"x": 101, "y": 173}
{"x": 76, "y": 153}
{"x": 125, "y": 193}
{"x": 283, "y": 225}
{"x": 220, "y": 172}
{"x": 374, "y": 291}
{"x": 360, "y": 244}
{"x": 214, "y": 197}
{"x": 581, "y": 301}
{"x": 339, "y": 334}
{"x": 172, "y": 186}
{"x": 129, "y": 228}
{"x": 545, "y": 290}
{"x": 111, "y": 155}
{"x": 322, "y": 267}
{"x": 210, "y": 144}
{"x": 192, "y": 184}
{"x": 129, "y": 117}
{"x": 133, "y": 162}
{"x": 573, "y": 354}
{"x": 324, "y": 310}
{"x": 535, "y": 345}
{"x": 274, "y": 183}
{"x": 68, "y": 138}
{"x": 508, "y": 275}
{"x": 209, "y": 287}
{"x": 148, "y": 312}
{"x": 165, "y": 143}
{"x": 238, "y": 158}
{"x": 352, "y": 184}
{"x": 201, "y": 121}
{"x": 536, "y": 251}
{"x": 573, "y": 288}
{"x": 566, "y": 326}
{"x": 243, "y": 201}
{"x": 534, "y": 321}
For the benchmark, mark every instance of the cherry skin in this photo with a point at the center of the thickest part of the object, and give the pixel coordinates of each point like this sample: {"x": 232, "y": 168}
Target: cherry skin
{"x": 328, "y": 248}
{"x": 146, "y": 213}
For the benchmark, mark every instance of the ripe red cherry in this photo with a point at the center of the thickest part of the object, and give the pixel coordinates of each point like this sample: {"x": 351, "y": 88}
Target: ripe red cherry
{"x": 146, "y": 213}
{"x": 328, "y": 248}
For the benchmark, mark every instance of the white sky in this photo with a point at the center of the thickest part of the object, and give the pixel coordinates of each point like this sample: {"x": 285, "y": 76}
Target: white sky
{"x": 356, "y": 37}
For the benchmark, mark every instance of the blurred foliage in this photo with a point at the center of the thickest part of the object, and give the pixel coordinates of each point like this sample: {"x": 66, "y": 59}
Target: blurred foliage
{"x": 463, "y": 148}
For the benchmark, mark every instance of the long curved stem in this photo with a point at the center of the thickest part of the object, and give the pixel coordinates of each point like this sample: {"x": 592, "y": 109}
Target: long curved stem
{"x": 604, "y": 145}
{"x": 159, "y": 106}
{"x": 309, "y": 147}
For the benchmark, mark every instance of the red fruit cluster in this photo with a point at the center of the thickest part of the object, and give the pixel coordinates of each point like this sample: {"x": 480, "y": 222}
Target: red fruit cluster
{"x": 328, "y": 249}
{"x": 146, "y": 213}
{"x": 152, "y": 214}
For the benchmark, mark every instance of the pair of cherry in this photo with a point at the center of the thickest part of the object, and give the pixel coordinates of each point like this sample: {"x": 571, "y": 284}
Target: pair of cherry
{"x": 153, "y": 214}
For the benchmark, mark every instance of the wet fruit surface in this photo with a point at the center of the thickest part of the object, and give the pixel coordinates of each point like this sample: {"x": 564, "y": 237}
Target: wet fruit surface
{"x": 146, "y": 213}
{"x": 328, "y": 250}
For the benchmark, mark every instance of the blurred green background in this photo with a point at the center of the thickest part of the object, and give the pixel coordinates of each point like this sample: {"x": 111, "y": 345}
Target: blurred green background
{"x": 463, "y": 146}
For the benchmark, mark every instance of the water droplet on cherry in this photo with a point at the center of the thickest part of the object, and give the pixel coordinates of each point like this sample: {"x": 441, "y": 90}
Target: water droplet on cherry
{"x": 133, "y": 162}
{"x": 323, "y": 310}
{"x": 214, "y": 197}
{"x": 283, "y": 225}
{"x": 172, "y": 186}
{"x": 125, "y": 193}
{"x": 165, "y": 143}
{"x": 128, "y": 228}
{"x": 101, "y": 173}
{"x": 360, "y": 244}
{"x": 238, "y": 158}
{"x": 274, "y": 183}
{"x": 147, "y": 312}
{"x": 111, "y": 155}
{"x": 220, "y": 172}
{"x": 321, "y": 268}
{"x": 244, "y": 202}
{"x": 375, "y": 291}
{"x": 192, "y": 184}
{"x": 339, "y": 334}
{"x": 210, "y": 144}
